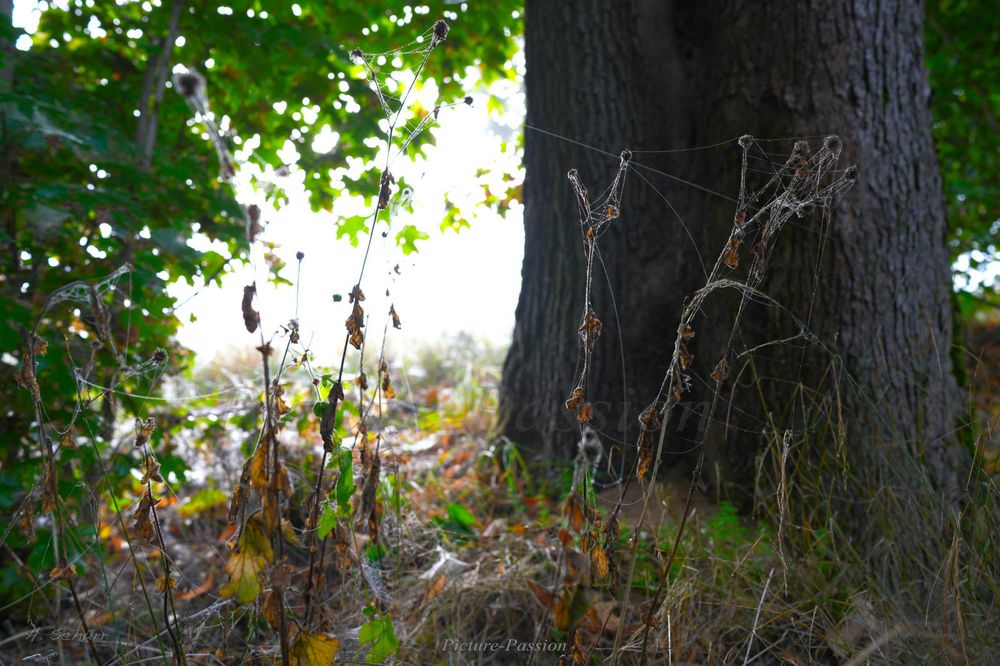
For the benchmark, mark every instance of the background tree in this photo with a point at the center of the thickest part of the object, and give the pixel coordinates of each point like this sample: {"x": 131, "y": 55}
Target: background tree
{"x": 962, "y": 38}
{"x": 647, "y": 76}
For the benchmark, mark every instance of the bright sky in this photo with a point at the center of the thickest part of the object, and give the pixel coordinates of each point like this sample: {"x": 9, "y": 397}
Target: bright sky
{"x": 466, "y": 281}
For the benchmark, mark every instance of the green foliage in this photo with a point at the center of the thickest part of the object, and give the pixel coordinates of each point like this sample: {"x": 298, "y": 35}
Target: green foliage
{"x": 963, "y": 43}
{"x": 725, "y": 532}
{"x": 379, "y": 633}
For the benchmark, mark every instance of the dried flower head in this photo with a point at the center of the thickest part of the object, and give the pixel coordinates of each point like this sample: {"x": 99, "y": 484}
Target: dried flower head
{"x": 440, "y": 32}
{"x": 190, "y": 84}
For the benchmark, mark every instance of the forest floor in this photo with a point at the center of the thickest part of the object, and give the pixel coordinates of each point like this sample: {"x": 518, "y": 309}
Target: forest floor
{"x": 474, "y": 564}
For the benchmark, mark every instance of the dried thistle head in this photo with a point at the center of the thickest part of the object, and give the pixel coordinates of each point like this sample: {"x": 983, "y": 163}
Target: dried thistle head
{"x": 590, "y": 446}
{"x": 190, "y": 84}
{"x": 440, "y": 32}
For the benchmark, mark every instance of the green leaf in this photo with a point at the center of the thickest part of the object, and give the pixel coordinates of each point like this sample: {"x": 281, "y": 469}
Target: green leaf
{"x": 327, "y": 521}
{"x": 407, "y": 238}
{"x": 353, "y": 227}
{"x": 461, "y": 515}
{"x": 379, "y": 632}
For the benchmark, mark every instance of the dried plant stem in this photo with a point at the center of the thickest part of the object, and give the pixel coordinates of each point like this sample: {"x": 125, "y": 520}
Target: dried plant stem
{"x": 756, "y": 617}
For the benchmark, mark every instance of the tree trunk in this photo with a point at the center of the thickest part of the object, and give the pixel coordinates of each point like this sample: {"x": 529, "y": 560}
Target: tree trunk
{"x": 655, "y": 75}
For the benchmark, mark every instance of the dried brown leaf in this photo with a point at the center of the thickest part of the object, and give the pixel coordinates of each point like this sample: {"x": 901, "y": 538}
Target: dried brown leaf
{"x": 251, "y": 318}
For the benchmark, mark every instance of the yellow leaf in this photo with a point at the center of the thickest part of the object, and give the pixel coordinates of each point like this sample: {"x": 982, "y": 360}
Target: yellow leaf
{"x": 246, "y": 563}
{"x": 599, "y": 562}
{"x": 313, "y": 650}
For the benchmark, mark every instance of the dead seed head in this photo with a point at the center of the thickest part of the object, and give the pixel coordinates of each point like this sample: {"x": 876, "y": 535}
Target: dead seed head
{"x": 160, "y": 355}
{"x": 300, "y": 255}
{"x": 800, "y": 148}
{"x": 745, "y": 141}
{"x": 357, "y": 56}
{"x": 190, "y": 84}
{"x": 440, "y": 32}
{"x": 590, "y": 446}
{"x": 626, "y": 157}
{"x": 832, "y": 143}
{"x": 851, "y": 173}
{"x": 468, "y": 100}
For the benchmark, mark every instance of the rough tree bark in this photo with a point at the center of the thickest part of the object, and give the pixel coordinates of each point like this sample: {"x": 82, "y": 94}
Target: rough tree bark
{"x": 652, "y": 75}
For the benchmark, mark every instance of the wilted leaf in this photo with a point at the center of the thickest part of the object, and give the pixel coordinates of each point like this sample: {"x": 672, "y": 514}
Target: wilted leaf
{"x": 163, "y": 583}
{"x": 436, "y": 587}
{"x": 143, "y": 518}
{"x": 253, "y": 553}
{"x": 570, "y": 607}
{"x": 574, "y": 513}
{"x": 313, "y": 650}
{"x": 385, "y": 189}
{"x": 143, "y": 430}
{"x": 271, "y": 609}
{"x": 732, "y": 257}
{"x": 542, "y": 593}
{"x": 258, "y": 465}
{"x": 576, "y": 399}
{"x": 599, "y": 561}
{"x": 250, "y": 316}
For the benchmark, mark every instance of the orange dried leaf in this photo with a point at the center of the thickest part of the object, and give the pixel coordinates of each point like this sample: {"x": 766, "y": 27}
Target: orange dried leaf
{"x": 436, "y": 587}
{"x": 163, "y": 583}
{"x": 576, "y": 399}
{"x": 544, "y": 596}
{"x": 599, "y": 561}
{"x": 258, "y": 465}
{"x": 732, "y": 256}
